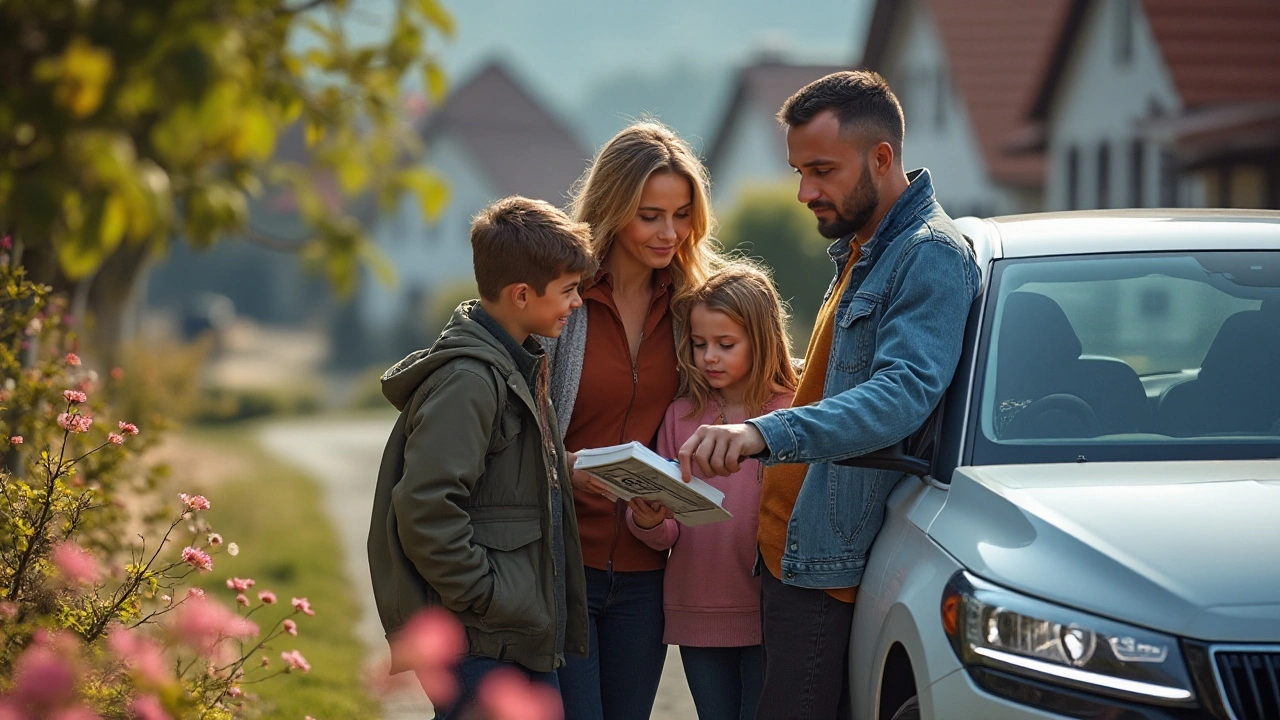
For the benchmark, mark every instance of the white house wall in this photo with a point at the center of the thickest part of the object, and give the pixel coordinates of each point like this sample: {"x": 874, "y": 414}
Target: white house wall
{"x": 1099, "y": 99}
{"x": 755, "y": 154}
{"x": 425, "y": 255}
{"x": 941, "y": 139}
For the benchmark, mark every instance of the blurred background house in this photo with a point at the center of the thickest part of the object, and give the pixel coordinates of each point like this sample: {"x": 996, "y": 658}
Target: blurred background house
{"x": 1014, "y": 106}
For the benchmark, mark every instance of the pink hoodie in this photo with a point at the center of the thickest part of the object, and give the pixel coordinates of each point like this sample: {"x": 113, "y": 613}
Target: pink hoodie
{"x": 710, "y": 597}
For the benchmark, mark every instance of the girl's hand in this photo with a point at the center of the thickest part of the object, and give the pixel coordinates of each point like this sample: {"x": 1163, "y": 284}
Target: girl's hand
{"x": 648, "y": 515}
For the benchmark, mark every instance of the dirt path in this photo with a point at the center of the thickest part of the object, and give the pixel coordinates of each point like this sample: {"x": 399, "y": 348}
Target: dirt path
{"x": 343, "y": 455}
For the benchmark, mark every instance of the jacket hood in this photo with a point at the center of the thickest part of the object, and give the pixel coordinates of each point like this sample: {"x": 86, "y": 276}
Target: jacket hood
{"x": 462, "y": 337}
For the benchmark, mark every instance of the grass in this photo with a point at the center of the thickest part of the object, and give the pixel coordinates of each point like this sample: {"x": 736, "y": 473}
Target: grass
{"x": 275, "y": 514}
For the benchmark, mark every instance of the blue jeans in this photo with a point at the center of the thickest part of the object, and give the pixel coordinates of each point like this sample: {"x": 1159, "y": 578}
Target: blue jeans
{"x": 618, "y": 680}
{"x": 472, "y": 670}
{"x": 724, "y": 681}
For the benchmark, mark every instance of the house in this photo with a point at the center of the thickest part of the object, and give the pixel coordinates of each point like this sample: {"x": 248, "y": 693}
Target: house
{"x": 490, "y": 138}
{"x": 966, "y": 73}
{"x": 749, "y": 147}
{"x": 1154, "y": 103}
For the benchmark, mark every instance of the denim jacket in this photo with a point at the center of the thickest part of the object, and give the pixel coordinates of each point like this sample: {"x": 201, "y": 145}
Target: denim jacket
{"x": 896, "y": 342}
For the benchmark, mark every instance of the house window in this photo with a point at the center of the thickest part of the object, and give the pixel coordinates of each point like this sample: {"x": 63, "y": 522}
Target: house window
{"x": 1137, "y": 176}
{"x": 1124, "y": 31}
{"x": 1073, "y": 178}
{"x": 1104, "y": 175}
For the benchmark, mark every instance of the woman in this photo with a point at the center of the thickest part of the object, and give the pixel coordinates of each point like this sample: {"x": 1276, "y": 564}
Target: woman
{"x": 613, "y": 373}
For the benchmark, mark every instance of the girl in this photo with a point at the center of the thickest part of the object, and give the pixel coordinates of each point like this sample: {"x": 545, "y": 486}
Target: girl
{"x": 613, "y": 373}
{"x": 737, "y": 365}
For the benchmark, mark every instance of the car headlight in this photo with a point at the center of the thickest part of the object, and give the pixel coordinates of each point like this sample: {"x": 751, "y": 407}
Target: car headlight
{"x": 995, "y": 628}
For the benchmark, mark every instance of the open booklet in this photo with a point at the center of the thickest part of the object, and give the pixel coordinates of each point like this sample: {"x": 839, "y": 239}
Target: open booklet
{"x": 633, "y": 470}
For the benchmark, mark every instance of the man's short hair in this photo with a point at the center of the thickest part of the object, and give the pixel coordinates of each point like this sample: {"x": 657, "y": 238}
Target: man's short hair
{"x": 518, "y": 240}
{"x": 862, "y": 102}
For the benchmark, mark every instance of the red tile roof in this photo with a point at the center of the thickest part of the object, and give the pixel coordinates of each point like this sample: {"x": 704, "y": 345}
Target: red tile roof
{"x": 1220, "y": 51}
{"x": 997, "y": 51}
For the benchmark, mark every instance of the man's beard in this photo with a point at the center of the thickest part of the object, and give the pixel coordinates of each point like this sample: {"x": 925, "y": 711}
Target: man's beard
{"x": 855, "y": 211}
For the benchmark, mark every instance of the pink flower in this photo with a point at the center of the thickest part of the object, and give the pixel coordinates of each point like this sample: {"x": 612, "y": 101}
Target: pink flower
{"x": 431, "y": 641}
{"x": 115, "y": 439}
{"x": 42, "y": 678}
{"x": 75, "y": 396}
{"x": 242, "y": 599}
{"x": 75, "y": 563}
{"x": 15, "y": 440}
{"x": 267, "y": 597}
{"x": 194, "y": 593}
{"x": 128, "y": 428}
{"x": 215, "y": 539}
{"x": 265, "y": 661}
{"x": 195, "y": 502}
{"x": 141, "y": 655}
{"x": 294, "y": 659}
{"x": 197, "y": 559}
{"x": 239, "y": 584}
{"x": 301, "y": 605}
{"x": 508, "y": 695}
{"x": 148, "y": 707}
{"x": 75, "y": 423}
{"x": 6, "y": 242}
{"x": 73, "y": 360}
{"x": 117, "y": 373}
{"x": 202, "y": 624}
{"x": 291, "y": 627}
{"x": 235, "y": 691}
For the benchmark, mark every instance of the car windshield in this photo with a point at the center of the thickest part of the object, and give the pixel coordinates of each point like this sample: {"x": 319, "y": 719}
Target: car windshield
{"x": 1148, "y": 356}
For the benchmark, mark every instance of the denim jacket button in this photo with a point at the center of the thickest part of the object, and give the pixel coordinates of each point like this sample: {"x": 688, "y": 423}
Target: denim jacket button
{"x": 795, "y": 546}
{"x": 790, "y": 575}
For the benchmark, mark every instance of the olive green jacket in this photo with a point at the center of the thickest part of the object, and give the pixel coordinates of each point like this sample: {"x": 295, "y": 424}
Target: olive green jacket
{"x": 461, "y": 513}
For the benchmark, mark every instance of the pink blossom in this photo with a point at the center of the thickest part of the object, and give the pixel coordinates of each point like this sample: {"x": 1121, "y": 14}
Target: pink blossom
{"x": 508, "y": 695}
{"x": 432, "y": 640}
{"x": 75, "y": 396}
{"x": 240, "y": 584}
{"x": 6, "y": 242}
{"x": 194, "y": 593}
{"x": 75, "y": 563}
{"x": 235, "y": 691}
{"x": 294, "y": 659}
{"x": 75, "y": 423}
{"x": 117, "y": 373}
{"x": 291, "y": 627}
{"x": 128, "y": 428}
{"x": 242, "y": 599}
{"x": 202, "y": 624}
{"x": 141, "y": 655}
{"x": 148, "y": 707}
{"x": 265, "y": 661}
{"x": 301, "y": 605}
{"x": 8, "y": 610}
{"x": 267, "y": 597}
{"x": 15, "y": 440}
{"x": 73, "y": 360}
{"x": 197, "y": 558}
{"x": 195, "y": 502}
{"x": 115, "y": 439}
{"x": 215, "y": 539}
{"x": 45, "y": 674}
{"x": 79, "y": 712}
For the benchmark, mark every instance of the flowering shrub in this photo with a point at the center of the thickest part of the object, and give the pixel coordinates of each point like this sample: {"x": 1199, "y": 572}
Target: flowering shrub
{"x": 95, "y": 621}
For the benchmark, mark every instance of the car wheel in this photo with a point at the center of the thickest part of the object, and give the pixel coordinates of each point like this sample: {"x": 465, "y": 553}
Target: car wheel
{"x": 910, "y": 710}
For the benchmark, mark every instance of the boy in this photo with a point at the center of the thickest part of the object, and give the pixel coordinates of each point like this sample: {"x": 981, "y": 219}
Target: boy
{"x": 472, "y": 509}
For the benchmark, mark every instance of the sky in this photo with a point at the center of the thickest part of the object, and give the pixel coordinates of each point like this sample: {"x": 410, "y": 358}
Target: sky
{"x": 564, "y": 48}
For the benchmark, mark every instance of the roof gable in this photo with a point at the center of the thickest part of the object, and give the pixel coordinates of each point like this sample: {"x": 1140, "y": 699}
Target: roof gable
{"x": 517, "y": 144}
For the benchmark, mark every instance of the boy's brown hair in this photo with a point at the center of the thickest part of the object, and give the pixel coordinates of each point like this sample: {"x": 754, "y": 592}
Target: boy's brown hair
{"x": 519, "y": 240}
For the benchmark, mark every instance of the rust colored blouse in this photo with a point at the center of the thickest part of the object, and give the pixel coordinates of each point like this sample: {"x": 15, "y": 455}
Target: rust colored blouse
{"x": 618, "y": 402}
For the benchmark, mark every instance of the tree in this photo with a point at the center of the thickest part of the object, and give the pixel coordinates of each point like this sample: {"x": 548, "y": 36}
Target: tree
{"x": 769, "y": 224}
{"x": 125, "y": 125}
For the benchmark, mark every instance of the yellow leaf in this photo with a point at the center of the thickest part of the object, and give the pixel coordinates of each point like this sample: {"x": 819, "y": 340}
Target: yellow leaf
{"x": 81, "y": 75}
{"x": 431, "y": 189}
{"x": 437, "y": 84}
{"x": 314, "y": 133}
{"x": 435, "y": 15}
{"x": 255, "y": 137}
{"x": 115, "y": 220}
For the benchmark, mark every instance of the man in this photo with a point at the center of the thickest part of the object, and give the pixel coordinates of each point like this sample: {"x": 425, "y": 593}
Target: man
{"x": 884, "y": 347}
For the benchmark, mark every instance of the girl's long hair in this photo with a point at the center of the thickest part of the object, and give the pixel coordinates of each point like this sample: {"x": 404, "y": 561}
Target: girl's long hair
{"x": 745, "y": 293}
{"x": 607, "y": 197}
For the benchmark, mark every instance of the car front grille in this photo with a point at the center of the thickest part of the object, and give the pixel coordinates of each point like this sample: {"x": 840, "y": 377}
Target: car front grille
{"x": 1250, "y": 682}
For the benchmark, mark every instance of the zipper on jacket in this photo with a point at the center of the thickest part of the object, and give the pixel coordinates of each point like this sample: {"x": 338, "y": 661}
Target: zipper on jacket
{"x": 622, "y": 435}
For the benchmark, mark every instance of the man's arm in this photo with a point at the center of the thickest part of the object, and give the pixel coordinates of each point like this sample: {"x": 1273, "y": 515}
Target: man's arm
{"x": 444, "y": 457}
{"x": 920, "y": 338}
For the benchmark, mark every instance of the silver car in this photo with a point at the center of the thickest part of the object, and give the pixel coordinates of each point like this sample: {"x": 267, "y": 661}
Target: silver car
{"x": 1090, "y": 527}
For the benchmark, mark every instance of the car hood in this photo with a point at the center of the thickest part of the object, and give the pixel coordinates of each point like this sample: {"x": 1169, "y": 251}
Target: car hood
{"x": 1187, "y": 548}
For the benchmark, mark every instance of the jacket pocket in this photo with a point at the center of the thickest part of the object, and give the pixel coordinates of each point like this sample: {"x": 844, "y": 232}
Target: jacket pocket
{"x": 519, "y": 603}
{"x": 855, "y": 334}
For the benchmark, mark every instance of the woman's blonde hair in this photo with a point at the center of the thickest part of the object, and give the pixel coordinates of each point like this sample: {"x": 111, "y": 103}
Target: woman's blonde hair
{"x": 607, "y": 197}
{"x": 745, "y": 293}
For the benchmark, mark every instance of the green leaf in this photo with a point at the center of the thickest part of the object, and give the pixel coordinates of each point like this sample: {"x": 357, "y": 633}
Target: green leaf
{"x": 436, "y": 16}
{"x": 436, "y": 83}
